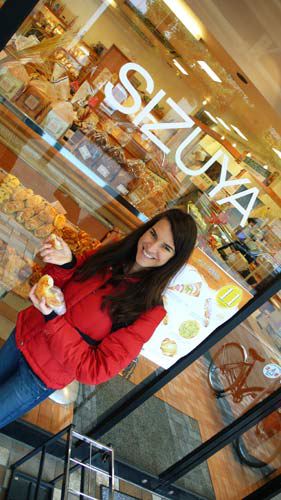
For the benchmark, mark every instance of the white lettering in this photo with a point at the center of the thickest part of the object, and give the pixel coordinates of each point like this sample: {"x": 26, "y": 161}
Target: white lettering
{"x": 146, "y": 128}
{"x": 223, "y": 182}
{"x": 245, "y": 212}
{"x": 128, "y": 110}
{"x": 149, "y": 107}
{"x": 182, "y": 166}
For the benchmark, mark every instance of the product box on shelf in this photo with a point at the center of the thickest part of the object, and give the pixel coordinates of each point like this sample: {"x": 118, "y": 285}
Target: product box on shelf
{"x": 33, "y": 102}
{"x": 121, "y": 181}
{"x": 88, "y": 152}
{"x": 106, "y": 167}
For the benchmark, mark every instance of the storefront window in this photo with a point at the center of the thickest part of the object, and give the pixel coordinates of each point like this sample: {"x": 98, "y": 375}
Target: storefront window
{"x": 247, "y": 464}
{"x": 238, "y": 372}
{"x": 107, "y": 117}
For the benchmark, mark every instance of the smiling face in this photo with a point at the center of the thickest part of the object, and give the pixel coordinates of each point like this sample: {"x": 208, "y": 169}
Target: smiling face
{"x": 155, "y": 247}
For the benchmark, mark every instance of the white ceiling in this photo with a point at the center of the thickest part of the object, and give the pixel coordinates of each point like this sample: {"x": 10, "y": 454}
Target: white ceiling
{"x": 250, "y": 32}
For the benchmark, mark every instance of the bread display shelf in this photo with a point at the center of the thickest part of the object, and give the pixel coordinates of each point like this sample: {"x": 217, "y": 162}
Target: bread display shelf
{"x": 59, "y": 166}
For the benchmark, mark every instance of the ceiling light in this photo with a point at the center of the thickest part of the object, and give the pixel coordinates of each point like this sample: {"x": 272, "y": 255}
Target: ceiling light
{"x": 112, "y": 3}
{"x": 265, "y": 166}
{"x": 209, "y": 71}
{"x": 179, "y": 8}
{"x": 234, "y": 144}
{"x": 204, "y": 102}
{"x": 210, "y": 116}
{"x": 249, "y": 155}
{"x": 223, "y": 123}
{"x": 180, "y": 67}
{"x": 222, "y": 137}
{"x": 277, "y": 152}
{"x": 238, "y": 131}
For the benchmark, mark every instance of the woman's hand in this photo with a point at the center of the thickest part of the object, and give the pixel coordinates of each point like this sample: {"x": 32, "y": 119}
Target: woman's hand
{"x": 51, "y": 255}
{"x": 39, "y": 304}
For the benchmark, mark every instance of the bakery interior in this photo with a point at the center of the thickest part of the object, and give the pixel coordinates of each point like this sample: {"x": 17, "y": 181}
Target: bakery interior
{"x": 74, "y": 166}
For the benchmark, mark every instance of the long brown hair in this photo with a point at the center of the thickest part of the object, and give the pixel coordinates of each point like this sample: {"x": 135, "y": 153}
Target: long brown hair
{"x": 146, "y": 292}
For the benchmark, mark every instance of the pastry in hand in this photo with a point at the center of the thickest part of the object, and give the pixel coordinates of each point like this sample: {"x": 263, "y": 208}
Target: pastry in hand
{"x": 55, "y": 242}
{"x": 45, "y": 289}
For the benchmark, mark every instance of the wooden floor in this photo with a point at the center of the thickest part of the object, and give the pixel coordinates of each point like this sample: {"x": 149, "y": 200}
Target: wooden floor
{"x": 189, "y": 393}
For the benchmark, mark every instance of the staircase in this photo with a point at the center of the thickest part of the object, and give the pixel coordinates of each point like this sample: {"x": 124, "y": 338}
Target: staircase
{"x": 23, "y": 486}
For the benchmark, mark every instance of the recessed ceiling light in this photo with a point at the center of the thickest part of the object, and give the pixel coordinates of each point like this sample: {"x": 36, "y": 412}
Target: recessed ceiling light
{"x": 185, "y": 17}
{"x": 234, "y": 144}
{"x": 277, "y": 152}
{"x": 204, "y": 102}
{"x": 223, "y": 123}
{"x": 249, "y": 155}
{"x": 238, "y": 131}
{"x": 265, "y": 166}
{"x": 180, "y": 67}
{"x": 210, "y": 116}
{"x": 222, "y": 137}
{"x": 209, "y": 71}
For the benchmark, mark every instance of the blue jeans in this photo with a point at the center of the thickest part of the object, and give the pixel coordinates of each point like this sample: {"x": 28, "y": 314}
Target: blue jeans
{"x": 20, "y": 389}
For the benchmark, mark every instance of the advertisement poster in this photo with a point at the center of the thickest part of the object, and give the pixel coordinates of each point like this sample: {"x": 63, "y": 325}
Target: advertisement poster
{"x": 200, "y": 298}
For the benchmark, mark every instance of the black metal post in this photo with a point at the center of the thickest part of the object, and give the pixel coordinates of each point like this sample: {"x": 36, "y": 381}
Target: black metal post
{"x": 153, "y": 384}
{"x": 40, "y": 472}
{"x": 66, "y": 464}
{"x": 222, "y": 438}
{"x": 12, "y": 15}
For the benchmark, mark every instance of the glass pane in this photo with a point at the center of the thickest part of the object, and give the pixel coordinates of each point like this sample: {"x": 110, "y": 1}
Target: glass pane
{"x": 247, "y": 464}
{"x": 238, "y": 372}
{"x": 106, "y": 145}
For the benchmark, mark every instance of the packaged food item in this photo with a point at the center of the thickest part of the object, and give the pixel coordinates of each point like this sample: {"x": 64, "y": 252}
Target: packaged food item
{"x": 59, "y": 119}
{"x": 33, "y": 102}
{"x": 72, "y": 138}
{"x": 106, "y": 167}
{"x": 88, "y": 152}
{"x": 13, "y": 79}
{"x": 122, "y": 181}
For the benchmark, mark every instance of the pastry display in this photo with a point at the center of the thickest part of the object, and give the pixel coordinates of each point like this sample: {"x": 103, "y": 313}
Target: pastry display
{"x": 33, "y": 223}
{"x": 14, "y": 266}
{"x": 10, "y": 207}
{"x": 44, "y": 230}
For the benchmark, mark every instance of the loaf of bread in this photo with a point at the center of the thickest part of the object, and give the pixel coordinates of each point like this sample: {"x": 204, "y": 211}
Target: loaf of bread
{"x": 45, "y": 289}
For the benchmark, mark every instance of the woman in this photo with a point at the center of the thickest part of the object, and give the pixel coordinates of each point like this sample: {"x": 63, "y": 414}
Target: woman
{"x": 113, "y": 304}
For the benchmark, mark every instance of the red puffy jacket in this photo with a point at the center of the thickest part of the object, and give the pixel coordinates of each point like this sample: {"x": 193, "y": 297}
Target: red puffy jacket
{"x": 55, "y": 350}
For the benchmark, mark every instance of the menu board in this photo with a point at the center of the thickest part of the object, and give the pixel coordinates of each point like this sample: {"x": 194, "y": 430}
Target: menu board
{"x": 200, "y": 298}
